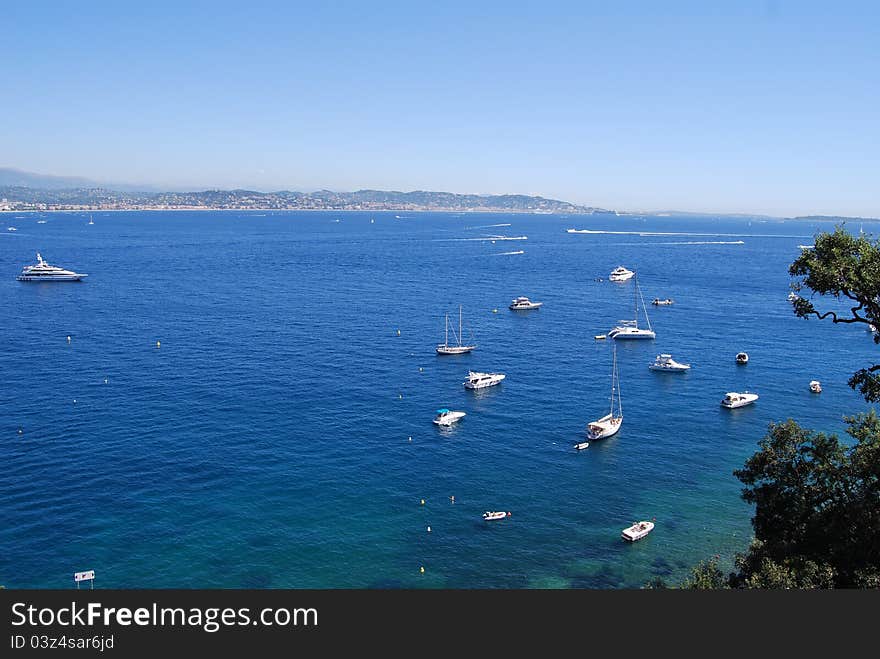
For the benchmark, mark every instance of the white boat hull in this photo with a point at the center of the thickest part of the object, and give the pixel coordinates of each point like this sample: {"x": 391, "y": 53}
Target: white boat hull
{"x": 454, "y": 350}
{"x": 525, "y": 307}
{"x": 604, "y": 427}
{"x": 51, "y": 277}
{"x": 631, "y": 334}
{"x": 580, "y": 446}
{"x": 637, "y": 531}
{"x": 495, "y": 378}
{"x": 449, "y": 419}
{"x": 742, "y": 401}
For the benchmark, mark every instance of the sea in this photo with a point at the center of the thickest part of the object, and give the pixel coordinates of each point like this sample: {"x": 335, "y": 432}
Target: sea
{"x": 242, "y": 399}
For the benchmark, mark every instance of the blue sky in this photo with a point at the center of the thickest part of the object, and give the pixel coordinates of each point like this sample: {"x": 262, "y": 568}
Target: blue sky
{"x": 752, "y": 106}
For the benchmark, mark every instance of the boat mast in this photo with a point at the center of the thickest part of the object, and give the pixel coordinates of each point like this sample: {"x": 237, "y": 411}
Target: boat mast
{"x": 644, "y": 306}
{"x": 446, "y": 336}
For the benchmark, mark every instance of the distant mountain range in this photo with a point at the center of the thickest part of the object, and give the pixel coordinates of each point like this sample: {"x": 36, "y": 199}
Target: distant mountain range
{"x": 26, "y": 191}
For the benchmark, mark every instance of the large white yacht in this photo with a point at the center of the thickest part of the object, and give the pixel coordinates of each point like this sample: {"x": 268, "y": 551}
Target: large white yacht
{"x": 523, "y": 303}
{"x": 620, "y": 274}
{"x": 733, "y": 399}
{"x": 667, "y": 363}
{"x": 42, "y": 271}
{"x": 478, "y": 380}
{"x": 629, "y": 329}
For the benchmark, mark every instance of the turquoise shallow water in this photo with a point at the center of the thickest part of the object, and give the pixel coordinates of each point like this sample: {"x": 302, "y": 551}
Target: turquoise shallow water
{"x": 265, "y": 444}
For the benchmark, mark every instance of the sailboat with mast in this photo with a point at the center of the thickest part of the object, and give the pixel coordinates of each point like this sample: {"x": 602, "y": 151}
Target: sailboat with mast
{"x": 609, "y": 424}
{"x": 629, "y": 329}
{"x": 458, "y": 348}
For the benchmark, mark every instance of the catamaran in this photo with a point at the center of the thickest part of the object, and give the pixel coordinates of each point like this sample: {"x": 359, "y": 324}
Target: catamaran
{"x": 629, "y": 329}
{"x": 445, "y": 348}
{"x": 609, "y": 424}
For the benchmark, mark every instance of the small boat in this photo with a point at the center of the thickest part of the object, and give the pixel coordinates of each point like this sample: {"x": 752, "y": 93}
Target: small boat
{"x": 667, "y": 363}
{"x": 447, "y": 417}
{"x": 629, "y": 329}
{"x": 637, "y": 531}
{"x": 609, "y": 424}
{"x": 657, "y": 302}
{"x": 733, "y": 399}
{"x": 491, "y": 515}
{"x": 523, "y": 303}
{"x": 600, "y": 337}
{"x": 580, "y": 446}
{"x": 11, "y": 229}
{"x": 478, "y": 380}
{"x": 41, "y": 221}
{"x": 793, "y": 297}
{"x": 459, "y": 349}
{"x": 91, "y": 221}
{"x": 620, "y": 274}
{"x": 815, "y": 387}
{"x": 742, "y": 358}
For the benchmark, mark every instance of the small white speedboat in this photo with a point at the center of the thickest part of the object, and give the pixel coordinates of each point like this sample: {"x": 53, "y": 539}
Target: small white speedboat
{"x": 620, "y": 274}
{"x": 491, "y": 515}
{"x": 637, "y": 531}
{"x": 733, "y": 399}
{"x": 815, "y": 387}
{"x": 742, "y": 358}
{"x": 523, "y": 303}
{"x": 482, "y": 380}
{"x": 657, "y": 302}
{"x": 600, "y": 337}
{"x": 580, "y": 446}
{"x": 447, "y": 417}
{"x": 667, "y": 363}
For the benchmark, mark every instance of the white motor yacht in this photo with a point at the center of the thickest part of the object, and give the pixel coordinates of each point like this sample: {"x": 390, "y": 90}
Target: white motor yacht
{"x": 637, "y": 531}
{"x": 815, "y": 387}
{"x": 447, "y": 417}
{"x": 458, "y": 348}
{"x": 733, "y": 399}
{"x": 523, "y": 303}
{"x": 620, "y": 274}
{"x": 478, "y": 380}
{"x": 667, "y": 363}
{"x": 42, "y": 271}
{"x": 742, "y": 358}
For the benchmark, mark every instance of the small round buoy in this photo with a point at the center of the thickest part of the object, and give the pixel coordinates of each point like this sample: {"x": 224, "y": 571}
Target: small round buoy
{"x": 68, "y": 339}
{"x": 422, "y": 502}
{"x": 422, "y": 570}
{"x": 158, "y": 344}
{"x": 420, "y": 369}
{"x": 494, "y": 310}
{"x": 429, "y": 529}
{"x": 20, "y": 430}
{"x": 105, "y": 380}
{"x": 398, "y": 332}
{"x": 400, "y": 396}
{"x": 410, "y": 438}
{"x": 74, "y": 400}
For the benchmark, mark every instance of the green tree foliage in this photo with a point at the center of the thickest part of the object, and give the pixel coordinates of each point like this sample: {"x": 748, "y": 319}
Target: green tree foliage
{"x": 706, "y": 576}
{"x": 846, "y": 268}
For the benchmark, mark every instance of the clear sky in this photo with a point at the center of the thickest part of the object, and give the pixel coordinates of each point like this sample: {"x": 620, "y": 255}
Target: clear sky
{"x": 765, "y": 106}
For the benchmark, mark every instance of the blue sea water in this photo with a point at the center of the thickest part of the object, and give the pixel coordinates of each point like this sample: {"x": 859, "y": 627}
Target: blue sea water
{"x": 266, "y": 443}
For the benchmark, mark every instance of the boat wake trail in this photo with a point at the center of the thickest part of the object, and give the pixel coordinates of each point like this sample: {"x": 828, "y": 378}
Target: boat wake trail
{"x": 509, "y": 253}
{"x": 489, "y": 226}
{"x": 672, "y": 233}
{"x": 490, "y": 238}
{"x": 692, "y": 242}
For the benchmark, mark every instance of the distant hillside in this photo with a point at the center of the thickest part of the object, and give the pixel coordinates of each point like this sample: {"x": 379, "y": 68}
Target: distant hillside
{"x": 16, "y": 178}
{"x": 28, "y": 197}
{"x": 835, "y": 218}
